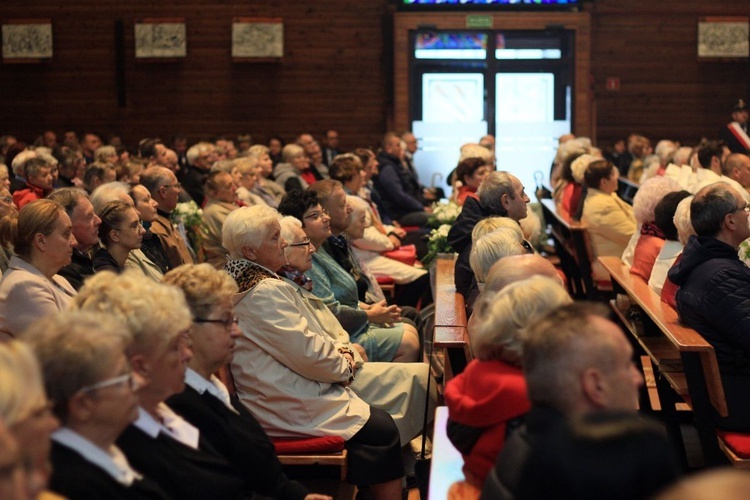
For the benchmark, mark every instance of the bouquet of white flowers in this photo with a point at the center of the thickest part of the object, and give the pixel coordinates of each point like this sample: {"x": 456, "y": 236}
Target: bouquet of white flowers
{"x": 188, "y": 218}
{"x": 437, "y": 243}
{"x": 443, "y": 213}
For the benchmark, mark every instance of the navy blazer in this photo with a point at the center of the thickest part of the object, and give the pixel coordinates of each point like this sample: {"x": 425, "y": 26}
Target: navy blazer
{"x": 181, "y": 471}
{"x": 240, "y": 439}
{"x": 75, "y": 477}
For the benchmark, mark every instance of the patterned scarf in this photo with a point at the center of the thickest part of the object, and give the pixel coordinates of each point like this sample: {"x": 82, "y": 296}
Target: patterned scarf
{"x": 247, "y": 274}
{"x": 293, "y": 274}
{"x": 650, "y": 229}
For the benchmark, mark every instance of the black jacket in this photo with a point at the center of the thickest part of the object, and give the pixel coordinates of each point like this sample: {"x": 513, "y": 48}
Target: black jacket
{"x": 714, "y": 299}
{"x": 76, "y": 478}
{"x": 459, "y": 238}
{"x": 240, "y": 439}
{"x": 181, "y": 471}
{"x": 398, "y": 187}
{"x": 81, "y": 267}
{"x": 504, "y": 480}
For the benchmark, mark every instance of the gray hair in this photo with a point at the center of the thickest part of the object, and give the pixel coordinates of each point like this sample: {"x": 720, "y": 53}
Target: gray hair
{"x": 516, "y": 268}
{"x": 486, "y": 226}
{"x": 68, "y": 197}
{"x": 76, "y": 349}
{"x": 557, "y": 348}
{"x": 492, "y": 247}
{"x": 709, "y": 207}
{"x": 155, "y": 177}
{"x": 290, "y": 151}
{"x": 111, "y": 191}
{"x": 502, "y": 317}
{"x": 247, "y": 227}
{"x": 492, "y": 189}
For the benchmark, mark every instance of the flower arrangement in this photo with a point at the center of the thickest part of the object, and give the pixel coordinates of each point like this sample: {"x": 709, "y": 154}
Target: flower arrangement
{"x": 443, "y": 213}
{"x": 188, "y": 218}
{"x": 437, "y": 243}
{"x": 744, "y": 252}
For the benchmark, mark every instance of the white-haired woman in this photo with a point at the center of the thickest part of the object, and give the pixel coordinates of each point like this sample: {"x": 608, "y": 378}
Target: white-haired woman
{"x": 26, "y": 411}
{"x": 42, "y": 237}
{"x": 223, "y": 420}
{"x": 88, "y": 377}
{"x": 381, "y": 385}
{"x": 294, "y": 376}
{"x": 490, "y": 394}
{"x": 367, "y": 243}
{"x": 296, "y": 171}
{"x": 160, "y": 444}
{"x": 648, "y": 239}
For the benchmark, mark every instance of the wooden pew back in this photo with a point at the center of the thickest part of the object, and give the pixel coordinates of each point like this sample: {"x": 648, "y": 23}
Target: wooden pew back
{"x": 450, "y": 331}
{"x": 682, "y": 356}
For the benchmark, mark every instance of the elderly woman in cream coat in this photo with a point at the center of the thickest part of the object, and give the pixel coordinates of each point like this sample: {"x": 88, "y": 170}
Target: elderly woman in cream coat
{"x": 398, "y": 388}
{"x": 289, "y": 371}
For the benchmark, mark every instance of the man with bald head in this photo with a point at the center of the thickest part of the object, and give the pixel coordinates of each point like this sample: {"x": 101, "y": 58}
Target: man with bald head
{"x": 714, "y": 294}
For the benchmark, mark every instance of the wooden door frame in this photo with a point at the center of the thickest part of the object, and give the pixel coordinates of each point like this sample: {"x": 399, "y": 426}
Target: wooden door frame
{"x": 578, "y": 22}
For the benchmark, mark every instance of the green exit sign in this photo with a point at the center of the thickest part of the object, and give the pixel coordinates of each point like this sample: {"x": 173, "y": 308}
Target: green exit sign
{"x": 479, "y": 21}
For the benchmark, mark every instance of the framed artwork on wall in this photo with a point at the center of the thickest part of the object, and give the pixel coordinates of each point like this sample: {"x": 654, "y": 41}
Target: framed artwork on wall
{"x": 724, "y": 38}
{"x": 27, "y": 40}
{"x": 256, "y": 39}
{"x": 160, "y": 38}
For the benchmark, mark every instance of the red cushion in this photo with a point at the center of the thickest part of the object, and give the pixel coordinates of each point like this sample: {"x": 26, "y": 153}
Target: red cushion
{"x": 406, "y": 254}
{"x": 384, "y": 280}
{"x": 305, "y": 446}
{"x": 737, "y": 442}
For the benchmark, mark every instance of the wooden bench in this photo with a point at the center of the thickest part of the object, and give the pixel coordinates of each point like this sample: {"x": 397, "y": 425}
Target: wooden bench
{"x": 685, "y": 361}
{"x": 450, "y": 331}
{"x": 572, "y": 247}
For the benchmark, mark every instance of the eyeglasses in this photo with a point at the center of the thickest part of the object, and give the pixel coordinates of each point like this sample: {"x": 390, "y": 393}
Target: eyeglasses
{"x": 178, "y": 186}
{"x": 304, "y": 243}
{"x": 316, "y": 215}
{"x": 234, "y": 320}
{"x": 135, "y": 227}
{"x": 746, "y": 208}
{"x": 127, "y": 378}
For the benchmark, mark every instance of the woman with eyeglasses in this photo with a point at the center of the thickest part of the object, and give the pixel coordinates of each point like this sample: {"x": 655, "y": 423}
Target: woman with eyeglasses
{"x": 86, "y": 374}
{"x": 159, "y": 443}
{"x": 397, "y": 388}
{"x": 223, "y": 420}
{"x": 26, "y": 411}
{"x": 120, "y": 232}
{"x": 42, "y": 238}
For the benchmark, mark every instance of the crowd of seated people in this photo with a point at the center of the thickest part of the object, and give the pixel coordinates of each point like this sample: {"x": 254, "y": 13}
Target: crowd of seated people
{"x": 291, "y": 306}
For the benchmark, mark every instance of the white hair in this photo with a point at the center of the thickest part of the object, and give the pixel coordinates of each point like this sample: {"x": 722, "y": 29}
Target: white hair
{"x": 473, "y": 150}
{"x": 682, "y": 220}
{"x": 492, "y": 247}
{"x": 502, "y": 317}
{"x": 247, "y": 227}
{"x": 110, "y": 191}
{"x": 20, "y": 160}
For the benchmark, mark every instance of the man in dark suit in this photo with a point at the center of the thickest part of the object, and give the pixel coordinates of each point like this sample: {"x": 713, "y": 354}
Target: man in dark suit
{"x": 331, "y": 146}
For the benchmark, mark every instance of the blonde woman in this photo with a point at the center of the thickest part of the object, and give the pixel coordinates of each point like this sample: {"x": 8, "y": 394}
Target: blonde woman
{"x": 225, "y": 422}
{"x": 41, "y": 235}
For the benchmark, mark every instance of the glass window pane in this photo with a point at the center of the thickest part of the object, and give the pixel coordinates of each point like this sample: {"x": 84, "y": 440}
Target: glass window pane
{"x": 450, "y": 46}
{"x": 452, "y": 97}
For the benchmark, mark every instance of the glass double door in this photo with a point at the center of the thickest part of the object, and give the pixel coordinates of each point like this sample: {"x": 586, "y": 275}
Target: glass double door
{"x": 514, "y": 85}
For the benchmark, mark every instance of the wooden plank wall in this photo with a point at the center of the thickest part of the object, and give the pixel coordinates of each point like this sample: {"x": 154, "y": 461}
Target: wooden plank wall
{"x": 337, "y": 71}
